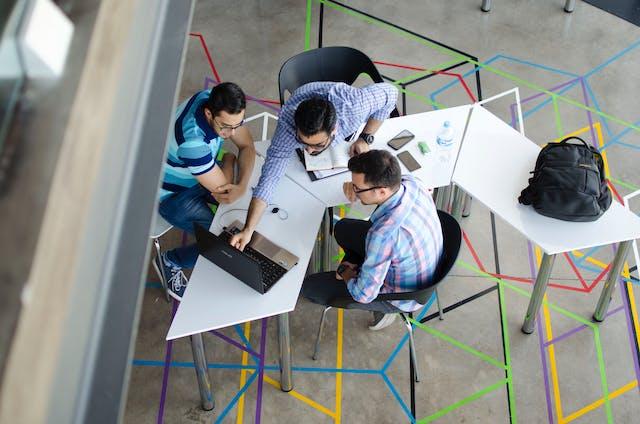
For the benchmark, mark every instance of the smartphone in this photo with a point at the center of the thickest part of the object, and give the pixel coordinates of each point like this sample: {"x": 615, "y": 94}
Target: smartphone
{"x": 408, "y": 161}
{"x": 400, "y": 140}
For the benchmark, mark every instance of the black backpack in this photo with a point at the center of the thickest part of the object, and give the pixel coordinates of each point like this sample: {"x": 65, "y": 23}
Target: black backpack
{"x": 568, "y": 182}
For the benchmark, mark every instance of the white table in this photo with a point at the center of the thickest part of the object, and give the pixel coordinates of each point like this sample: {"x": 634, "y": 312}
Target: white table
{"x": 493, "y": 167}
{"x": 425, "y": 126}
{"x": 215, "y": 299}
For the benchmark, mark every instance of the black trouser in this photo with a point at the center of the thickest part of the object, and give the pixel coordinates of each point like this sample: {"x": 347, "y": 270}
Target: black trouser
{"x": 321, "y": 288}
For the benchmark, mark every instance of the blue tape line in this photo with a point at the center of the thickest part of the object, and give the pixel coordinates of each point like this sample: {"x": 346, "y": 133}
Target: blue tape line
{"x": 538, "y": 65}
{"x": 612, "y": 59}
{"x": 605, "y": 122}
{"x": 577, "y": 260}
{"x": 178, "y": 364}
{"x": 403, "y": 340}
{"x": 455, "y": 81}
{"x": 548, "y": 100}
{"x": 398, "y": 398}
{"x": 231, "y": 404}
{"x": 245, "y": 341}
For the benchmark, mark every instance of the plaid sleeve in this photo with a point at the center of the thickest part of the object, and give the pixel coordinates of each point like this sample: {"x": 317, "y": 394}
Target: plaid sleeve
{"x": 367, "y": 285}
{"x": 196, "y": 154}
{"x": 382, "y": 98}
{"x": 279, "y": 153}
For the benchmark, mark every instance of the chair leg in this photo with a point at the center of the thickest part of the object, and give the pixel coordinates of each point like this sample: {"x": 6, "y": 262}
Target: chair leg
{"x": 440, "y": 313}
{"x": 320, "y": 327}
{"x": 160, "y": 272}
{"x": 412, "y": 346}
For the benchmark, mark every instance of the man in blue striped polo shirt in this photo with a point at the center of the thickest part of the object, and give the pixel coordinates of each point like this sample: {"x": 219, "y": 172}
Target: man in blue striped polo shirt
{"x": 193, "y": 178}
{"x": 317, "y": 115}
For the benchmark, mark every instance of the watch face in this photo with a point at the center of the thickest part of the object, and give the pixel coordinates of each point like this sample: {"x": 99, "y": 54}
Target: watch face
{"x": 367, "y": 137}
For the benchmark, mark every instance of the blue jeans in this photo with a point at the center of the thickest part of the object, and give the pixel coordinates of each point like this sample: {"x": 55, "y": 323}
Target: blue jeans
{"x": 182, "y": 210}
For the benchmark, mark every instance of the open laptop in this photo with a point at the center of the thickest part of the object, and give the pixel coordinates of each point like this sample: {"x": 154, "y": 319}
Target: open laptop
{"x": 260, "y": 265}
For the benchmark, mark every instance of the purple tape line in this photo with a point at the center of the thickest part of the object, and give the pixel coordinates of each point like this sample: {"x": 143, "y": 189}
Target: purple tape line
{"x": 234, "y": 343}
{"x": 263, "y": 345}
{"x": 579, "y": 328}
{"x": 586, "y": 102}
{"x": 535, "y": 96}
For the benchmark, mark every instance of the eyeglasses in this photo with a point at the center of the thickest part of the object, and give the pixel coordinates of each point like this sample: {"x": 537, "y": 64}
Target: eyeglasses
{"x": 228, "y": 128}
{"x": 317, "y": 148}
{"x": 357, "y": 190}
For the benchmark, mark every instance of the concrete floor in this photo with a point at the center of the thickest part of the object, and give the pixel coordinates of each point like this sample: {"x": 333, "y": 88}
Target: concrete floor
{"x": 476, "y": 365}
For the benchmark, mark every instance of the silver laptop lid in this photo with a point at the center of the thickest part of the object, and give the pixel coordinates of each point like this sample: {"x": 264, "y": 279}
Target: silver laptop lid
{"x": 277, "y": 254}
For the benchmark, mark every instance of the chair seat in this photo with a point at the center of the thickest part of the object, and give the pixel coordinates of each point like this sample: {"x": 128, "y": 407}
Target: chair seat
{"x": 160, "y": 227}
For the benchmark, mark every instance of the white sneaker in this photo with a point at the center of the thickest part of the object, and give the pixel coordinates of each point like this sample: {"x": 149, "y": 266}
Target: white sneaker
{"x": 381, "y": 321}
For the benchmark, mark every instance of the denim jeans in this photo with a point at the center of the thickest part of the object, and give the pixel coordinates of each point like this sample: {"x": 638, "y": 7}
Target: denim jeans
{"x": 182, "y": 210}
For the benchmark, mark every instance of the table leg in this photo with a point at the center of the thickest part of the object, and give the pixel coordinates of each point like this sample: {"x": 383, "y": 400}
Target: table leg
{"x": 456, "y": 204}
{"x": 442, "y": 198}
{"x": 284, "y": 340}
{"x": 486, "y": 5}
{"x": 202, "y": 372}
{"x": 569, "y": 5}
{"x": 538, "y": 292}
{"x": 610, "y": 284}
{"x": 326, "y": 240}
{"x": 466, "y": 209}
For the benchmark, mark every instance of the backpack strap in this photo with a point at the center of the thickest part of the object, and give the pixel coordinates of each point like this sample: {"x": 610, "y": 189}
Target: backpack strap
{"x": 564, "y": 141}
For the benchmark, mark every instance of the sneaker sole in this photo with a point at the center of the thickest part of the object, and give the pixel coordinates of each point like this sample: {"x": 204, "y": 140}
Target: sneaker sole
{"x": 384, "y": 323}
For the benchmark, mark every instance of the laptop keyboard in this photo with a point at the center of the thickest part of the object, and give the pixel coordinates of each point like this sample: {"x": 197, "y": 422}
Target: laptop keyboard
{"x": 271, "y": 271}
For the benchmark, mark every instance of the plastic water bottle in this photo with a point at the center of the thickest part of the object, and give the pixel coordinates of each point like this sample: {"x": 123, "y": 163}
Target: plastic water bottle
{"x": 444, "y": 140}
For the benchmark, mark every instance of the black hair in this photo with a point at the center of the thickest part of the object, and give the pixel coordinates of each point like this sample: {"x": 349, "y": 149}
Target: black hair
{"x": 315, "y": 115}
{"x": 380, "y": 168}
{"x": 226, "y": 96}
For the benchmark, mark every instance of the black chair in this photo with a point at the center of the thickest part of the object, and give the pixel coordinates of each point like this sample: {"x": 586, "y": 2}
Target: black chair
{"x": 339, "y": 64}
{"x": 452, "y": 240}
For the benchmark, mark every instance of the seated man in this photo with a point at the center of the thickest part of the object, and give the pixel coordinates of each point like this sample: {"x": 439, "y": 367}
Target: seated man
{"x": 193, "y": 179}
{"x": 397, "y": 250}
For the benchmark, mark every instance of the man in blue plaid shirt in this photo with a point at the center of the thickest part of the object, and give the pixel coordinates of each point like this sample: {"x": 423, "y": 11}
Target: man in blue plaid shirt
{"x": 316, "y": 116}
{"x": 396, "y": 250}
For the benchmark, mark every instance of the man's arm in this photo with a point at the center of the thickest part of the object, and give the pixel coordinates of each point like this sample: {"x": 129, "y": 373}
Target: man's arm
{"x": 230, "y": 192}
{"x": 365, "y": 287}
{"x": 381, "y": 98}
{"x": 278, "y": 155}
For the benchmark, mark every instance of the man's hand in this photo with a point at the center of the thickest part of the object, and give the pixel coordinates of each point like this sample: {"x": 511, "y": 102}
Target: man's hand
{"x": 228, "y": 193}
{"x": 240, "y": 240}
{"x": 360, "y": 146}
{"x": 350, "y": 270}
{"x": 347, "y": 188}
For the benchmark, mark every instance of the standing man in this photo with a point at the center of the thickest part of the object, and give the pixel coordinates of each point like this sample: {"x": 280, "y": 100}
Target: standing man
{"x": 194, "y": 179}
{"x": 396, "y": 251}
{"x": 316, "y": 116}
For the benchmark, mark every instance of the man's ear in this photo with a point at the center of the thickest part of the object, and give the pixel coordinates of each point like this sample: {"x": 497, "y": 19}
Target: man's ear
{"x": 207, "y": 113}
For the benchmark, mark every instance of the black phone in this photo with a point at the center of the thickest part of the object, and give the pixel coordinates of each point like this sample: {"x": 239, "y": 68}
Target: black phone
{"x": 400, "y": 139}
{"x": 408, "y": 161}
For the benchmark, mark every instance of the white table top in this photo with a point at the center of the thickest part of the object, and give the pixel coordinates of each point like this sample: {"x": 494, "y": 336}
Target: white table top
{"x": 215, "y": 299}
{"x": 425, "y": 126}
{"x": 493, "y": 167}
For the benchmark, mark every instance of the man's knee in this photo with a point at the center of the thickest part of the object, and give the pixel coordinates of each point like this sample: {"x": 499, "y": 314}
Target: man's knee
{"x": 341, "y": 230}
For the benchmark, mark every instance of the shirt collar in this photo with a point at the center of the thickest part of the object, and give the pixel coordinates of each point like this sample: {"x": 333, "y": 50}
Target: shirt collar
{"x": 201, "y": 120}
{"x": 389, "y": 204}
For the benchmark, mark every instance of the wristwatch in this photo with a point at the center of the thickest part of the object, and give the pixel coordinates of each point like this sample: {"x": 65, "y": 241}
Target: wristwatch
{"x": 368, "y": 138}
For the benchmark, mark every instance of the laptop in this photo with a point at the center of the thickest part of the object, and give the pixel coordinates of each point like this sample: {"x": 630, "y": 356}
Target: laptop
{"x": 260, "y": 265}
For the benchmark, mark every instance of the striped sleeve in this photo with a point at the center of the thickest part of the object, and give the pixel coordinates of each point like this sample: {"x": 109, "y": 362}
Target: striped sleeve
{"x": 196, "y": 155}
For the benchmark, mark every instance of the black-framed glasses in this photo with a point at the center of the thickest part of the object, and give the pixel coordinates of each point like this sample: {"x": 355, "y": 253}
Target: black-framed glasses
{"x": 357, "y": 190}
{"x": 228, "y": 127}
{"x": 317, "y": 148}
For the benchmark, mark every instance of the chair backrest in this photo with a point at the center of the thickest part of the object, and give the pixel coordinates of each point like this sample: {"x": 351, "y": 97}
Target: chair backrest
{"x": 339, "y": 64}
{"x": 451, "y": 240}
